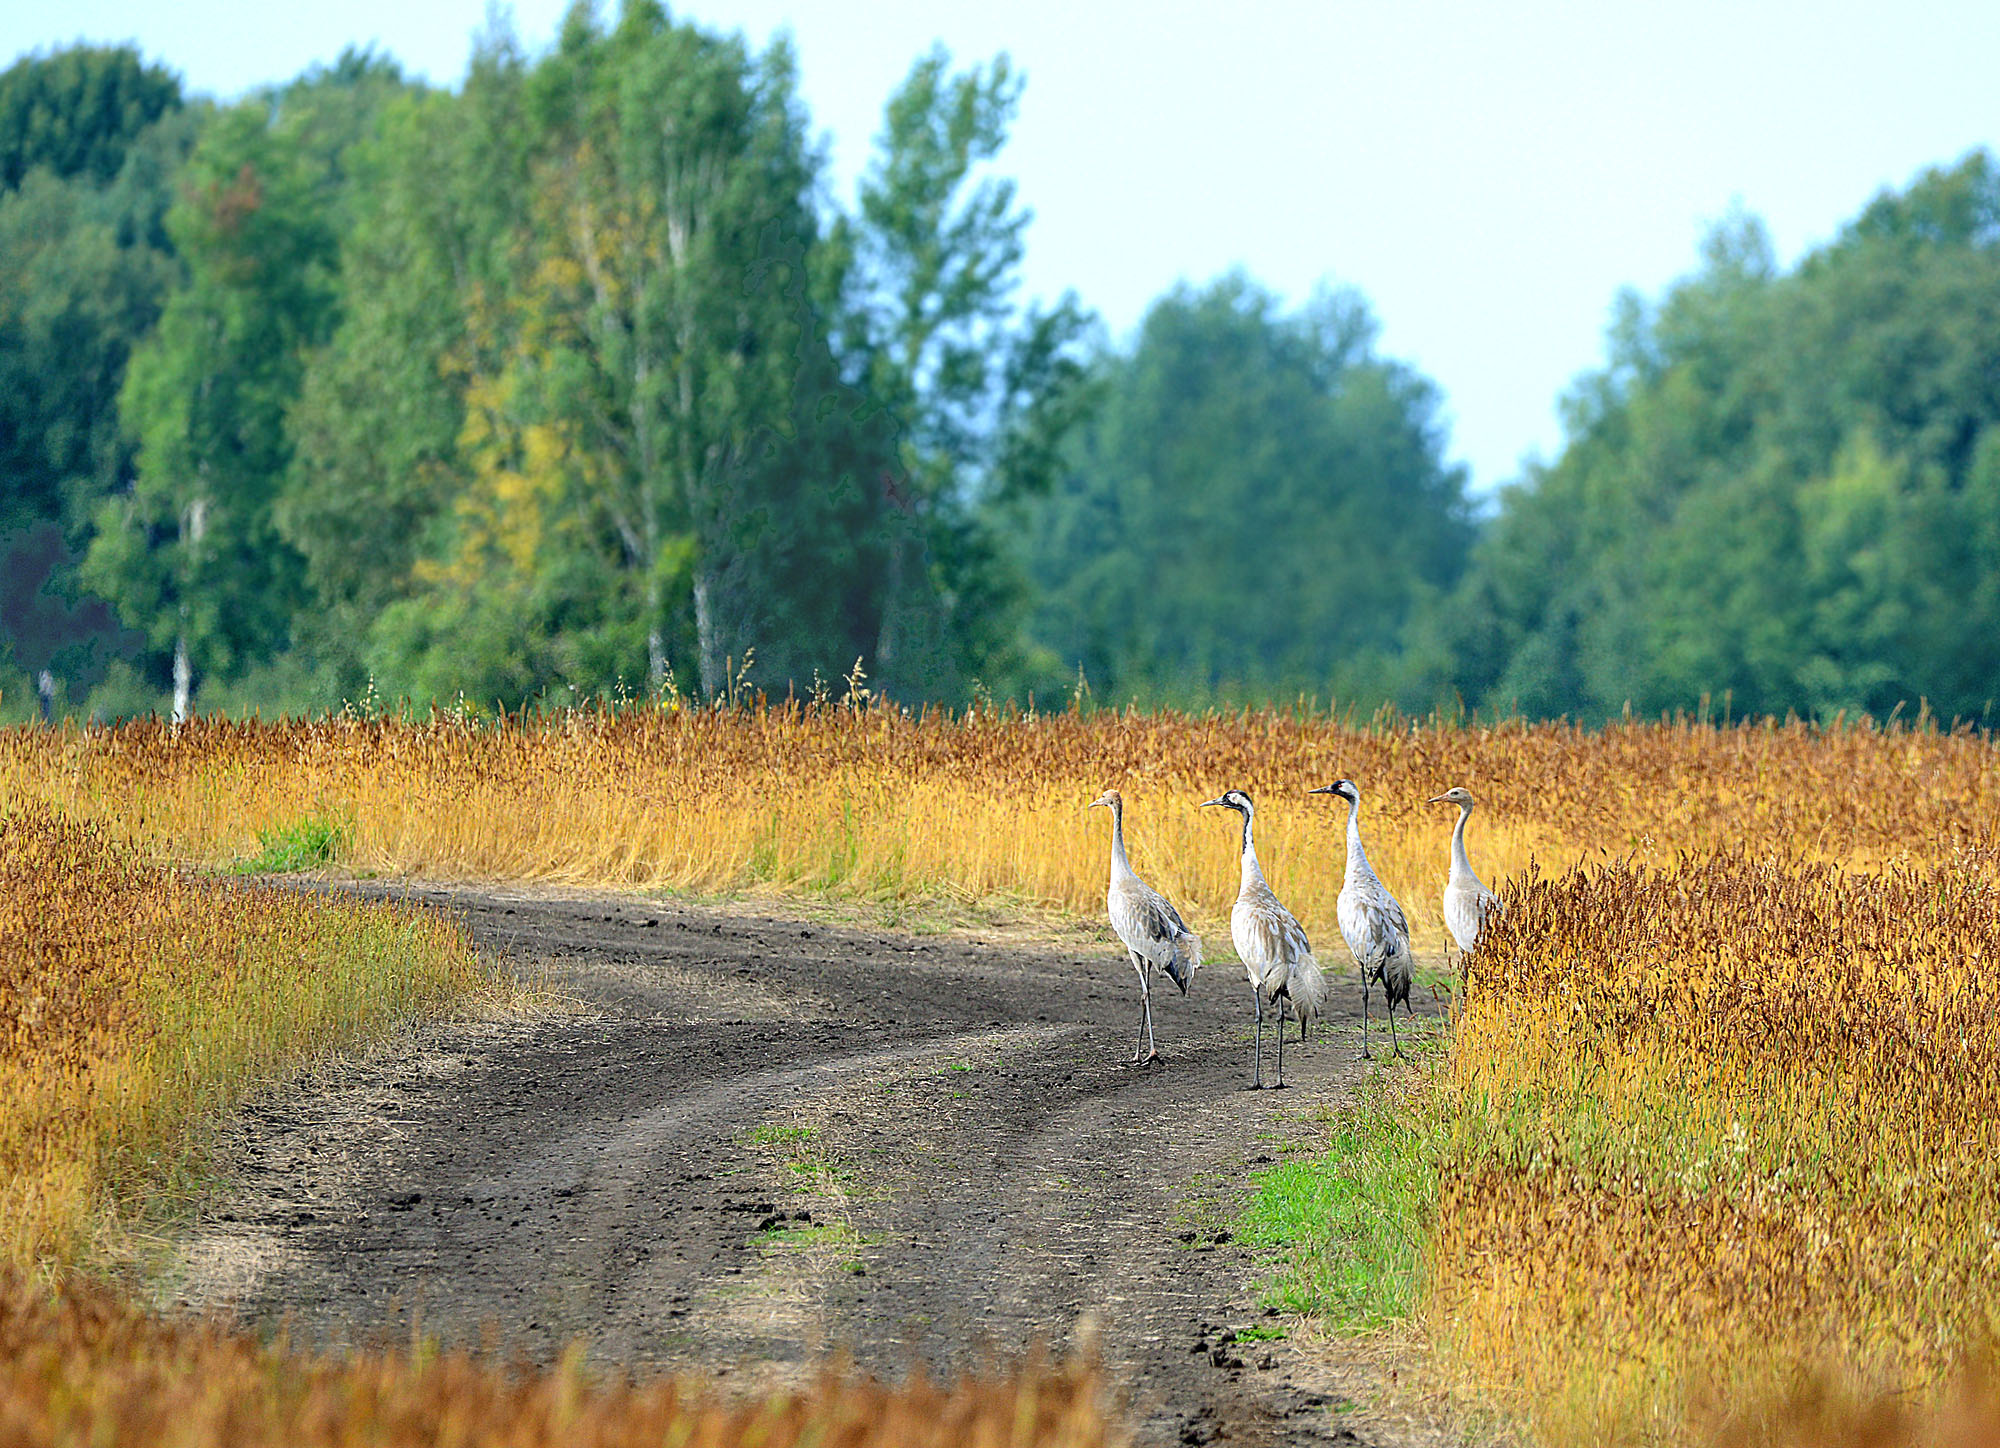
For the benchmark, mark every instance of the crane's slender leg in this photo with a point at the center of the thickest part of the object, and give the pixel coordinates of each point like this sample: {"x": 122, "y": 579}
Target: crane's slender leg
{"x": 1395, "y": 1045}
{"x": 1364, "y": 1015}
{"x": 1257, "y": 1072}
{"x": 1146, "y": 995}
{"x": 1281, "y": 1051}
{"x": 1138, "y": 1043}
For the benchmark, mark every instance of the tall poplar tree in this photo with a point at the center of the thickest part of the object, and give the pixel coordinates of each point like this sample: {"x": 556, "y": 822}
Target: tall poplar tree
{"x": 922, "y": 283}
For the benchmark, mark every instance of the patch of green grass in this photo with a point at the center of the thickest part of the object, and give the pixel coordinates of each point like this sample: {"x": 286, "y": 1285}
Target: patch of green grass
{"x": 803, "y": 1235}
{"x": 1261, "y": 1334}
{"x": 789, "y": 1236}
{"x": 311, "y": 843}
{"x": 770, "y": 1134}
{"x": 1347, "y": 1227}
{"x": 802, "y": 1151}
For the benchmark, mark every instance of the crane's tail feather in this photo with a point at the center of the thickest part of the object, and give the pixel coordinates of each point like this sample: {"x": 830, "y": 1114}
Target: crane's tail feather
{"x": 1186, "y": 959}
{"x": 1396, "y": 974}
{"x": 1308, "y": 988}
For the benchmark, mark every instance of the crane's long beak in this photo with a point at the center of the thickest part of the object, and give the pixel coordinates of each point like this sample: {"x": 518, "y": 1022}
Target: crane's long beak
{"x": 1437, "y": 799}
{"x": 1094, "y": 804}
{"x": 1323, "y": 789}
{"x": 1207, "y": 802}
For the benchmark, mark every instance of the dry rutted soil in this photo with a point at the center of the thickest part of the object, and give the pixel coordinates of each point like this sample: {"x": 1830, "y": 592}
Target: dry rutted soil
{"x": 751, "y": 1142}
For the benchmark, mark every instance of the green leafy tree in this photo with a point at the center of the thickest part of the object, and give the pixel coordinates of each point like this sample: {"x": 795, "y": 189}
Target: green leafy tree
{"x": 77, "y": 111}
{"x": 437, "y": 189}
{"x": 581, "y": 422}
{"x": 667, "y": 314}
{"x": 921, "y": 282}
{"x": 190, "y": 554}
{"x": 85, "y": 267}
{"x": 1261, "y": 508}
{"x": 1764, "y": 498}
{"x": 74, "y": 300}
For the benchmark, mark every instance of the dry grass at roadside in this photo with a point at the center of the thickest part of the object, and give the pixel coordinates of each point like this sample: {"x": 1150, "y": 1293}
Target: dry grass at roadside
{"x": 1814, "y": 1413}
{"x": 1718, "y": 1123}
{"x": 83, "y": 1368}
{"x": 137, "y": 1002}
{"x": 872, "y": 803}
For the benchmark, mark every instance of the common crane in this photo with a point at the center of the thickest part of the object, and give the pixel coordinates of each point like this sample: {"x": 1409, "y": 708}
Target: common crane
{"x": 1155, "y": 936}
{"x": 1276, "y": 954}
{"x": 1373, "y": 923}
{"x": 1467, "y": 902}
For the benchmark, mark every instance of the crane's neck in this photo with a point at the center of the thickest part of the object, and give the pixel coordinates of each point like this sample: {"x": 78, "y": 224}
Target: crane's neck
{"x": 1357, "y": 858}
{"x": 1120, "y": 866}
{"x": 1461, "y": 867}
{"x": 1251, "y": 872}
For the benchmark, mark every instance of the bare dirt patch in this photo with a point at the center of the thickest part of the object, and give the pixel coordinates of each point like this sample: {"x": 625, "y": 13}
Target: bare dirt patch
{"x": 749, "y": 1141}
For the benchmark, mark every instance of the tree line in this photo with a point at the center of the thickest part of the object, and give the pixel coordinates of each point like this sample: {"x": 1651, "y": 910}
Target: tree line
{"x": 575, "y": 382}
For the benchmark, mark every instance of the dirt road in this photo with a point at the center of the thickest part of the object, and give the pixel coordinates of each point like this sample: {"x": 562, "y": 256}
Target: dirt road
{"x": 750, "y": 1141}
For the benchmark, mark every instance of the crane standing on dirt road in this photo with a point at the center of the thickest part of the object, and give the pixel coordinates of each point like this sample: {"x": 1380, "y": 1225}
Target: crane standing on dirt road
{"x": 1376, "y": 930}
{"x": 1155, "y": 936}
{"x": 1276, "y": 954}
{"x": 1467, "y": 902}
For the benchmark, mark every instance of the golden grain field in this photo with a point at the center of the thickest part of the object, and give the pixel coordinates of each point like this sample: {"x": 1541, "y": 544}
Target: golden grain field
{"x": 871, "y": 802}
{"x": 1721, "y": 1104}
{"x": 1716, "y": 1120}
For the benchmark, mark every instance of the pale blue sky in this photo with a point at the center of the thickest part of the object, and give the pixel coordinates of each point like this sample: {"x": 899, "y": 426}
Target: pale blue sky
{"x": 1488, "y": 175}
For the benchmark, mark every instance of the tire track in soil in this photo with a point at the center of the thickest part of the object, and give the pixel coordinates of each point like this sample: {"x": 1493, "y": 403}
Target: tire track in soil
{"x": 757, "y": 1141}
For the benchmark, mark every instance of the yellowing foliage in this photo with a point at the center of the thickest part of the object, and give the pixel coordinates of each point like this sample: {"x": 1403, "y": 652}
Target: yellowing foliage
{"x": 505, "y": 509}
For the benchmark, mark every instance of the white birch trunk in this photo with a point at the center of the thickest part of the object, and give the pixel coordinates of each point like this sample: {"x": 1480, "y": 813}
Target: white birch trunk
{"x": 656, "y": 643}
{"x": 704, "y": 632}
{"x": 183, "y": 680}
{"x": 656, "y": 658}
{"x": 193, "y": 526}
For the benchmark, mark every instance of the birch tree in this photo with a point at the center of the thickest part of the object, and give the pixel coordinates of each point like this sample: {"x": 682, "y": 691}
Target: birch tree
{"x": 675, "y": 198}
{"x": 189, "y": 554}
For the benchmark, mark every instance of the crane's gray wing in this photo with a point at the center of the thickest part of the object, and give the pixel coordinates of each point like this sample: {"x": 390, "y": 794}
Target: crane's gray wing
{"x": 1307, "y": 989}
{"x": 1394, "y": 920}
{"x": 1271, "y": 932}
{"x": 1187, "y": 947}
{"x": 1375, "y": 927}
{"x": 1145, "y": 921}
{"x": 1153, "y": 930}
